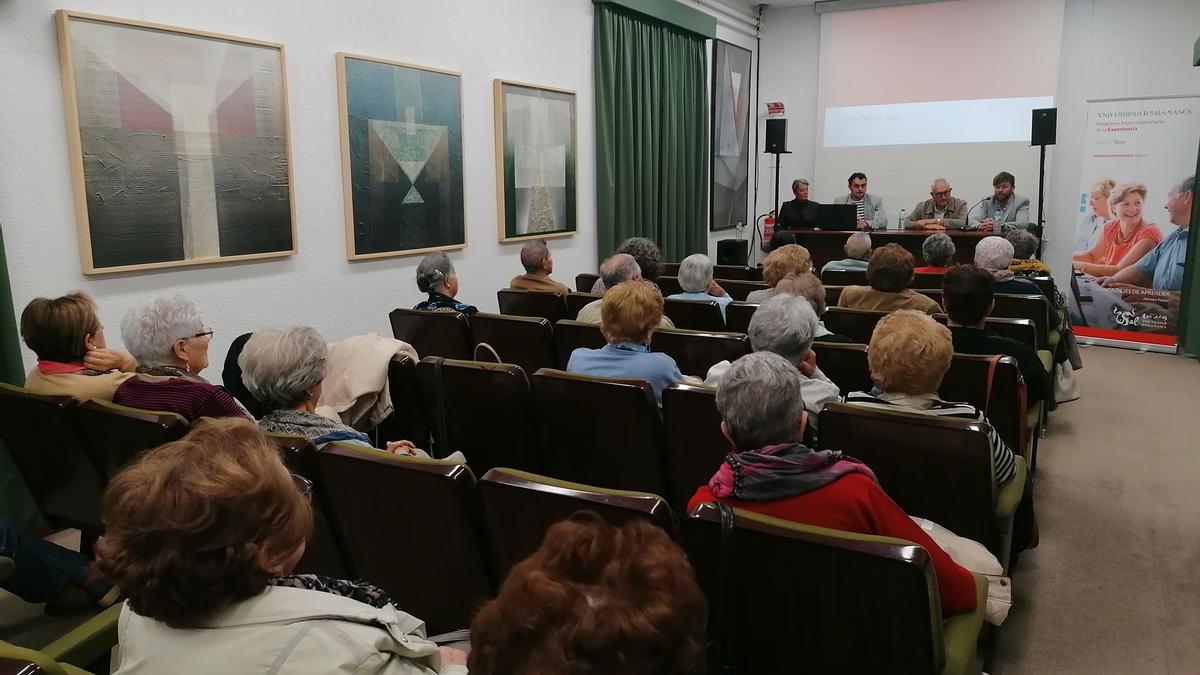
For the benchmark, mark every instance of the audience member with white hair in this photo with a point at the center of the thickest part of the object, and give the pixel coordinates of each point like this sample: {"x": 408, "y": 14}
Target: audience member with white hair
{"x": 170, "y": 343}
{"x": 770, "y": 471}
{"x": 283, "y": 368}
{"x": 696, "y": 280}
{"x": 938, "y": 251}
{"x": 436, "y": 276}
{"x": 858, "y": 251}
{"x": 809, "y": 287}
{"x": 619, "y": 268}
{"x": 539, "y": 265}
{"x": 786, "y": 325}
{"x": 995, "y": 254}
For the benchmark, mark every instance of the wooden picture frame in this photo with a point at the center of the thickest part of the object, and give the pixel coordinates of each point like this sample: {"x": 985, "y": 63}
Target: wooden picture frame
{"x": 553, "y": 190}
{"x": 394, "y": 206}
{"x": 169, "y": 173}
{"x": 729, "y": 165}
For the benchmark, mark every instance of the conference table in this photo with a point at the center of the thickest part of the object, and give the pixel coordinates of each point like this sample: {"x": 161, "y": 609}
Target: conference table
{"x": 826, "y": 245}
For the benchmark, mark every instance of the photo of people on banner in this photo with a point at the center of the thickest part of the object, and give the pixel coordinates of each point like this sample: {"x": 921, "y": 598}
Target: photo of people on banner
{"x": 1130, "y": 246}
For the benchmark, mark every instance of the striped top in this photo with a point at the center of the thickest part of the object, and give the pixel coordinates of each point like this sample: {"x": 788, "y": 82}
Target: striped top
{"x": 1003, "y": 459}
{"x": 190, "y": 397}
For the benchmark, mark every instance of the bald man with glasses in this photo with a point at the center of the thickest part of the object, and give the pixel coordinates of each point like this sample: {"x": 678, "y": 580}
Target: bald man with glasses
{"x": 940, "y": 212}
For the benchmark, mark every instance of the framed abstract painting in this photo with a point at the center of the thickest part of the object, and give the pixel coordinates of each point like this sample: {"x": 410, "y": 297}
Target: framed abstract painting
{"x": 402, "y": 157}
{"x": 535, "y": 161}
{"x": 729, "y": 195}
{"x": 179, "y": 144}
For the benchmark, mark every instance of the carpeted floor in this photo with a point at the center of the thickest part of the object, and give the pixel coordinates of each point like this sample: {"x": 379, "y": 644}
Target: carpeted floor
{"x": 1114, "y": 586}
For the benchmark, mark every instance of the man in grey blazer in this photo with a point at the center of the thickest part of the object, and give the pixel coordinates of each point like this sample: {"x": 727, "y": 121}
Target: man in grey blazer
{"x": 871, "y": 215}
{"x": 1004, "y": 209}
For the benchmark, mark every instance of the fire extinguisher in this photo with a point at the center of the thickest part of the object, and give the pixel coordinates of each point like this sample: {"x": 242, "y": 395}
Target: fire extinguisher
{"x": 768, "y": 230}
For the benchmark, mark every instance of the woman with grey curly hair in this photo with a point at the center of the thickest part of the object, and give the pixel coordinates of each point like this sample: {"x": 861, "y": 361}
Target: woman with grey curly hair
{"x": 436, "y": 276}
{"x": 283, "y": 368}
{"x": 938, "y": 251}
{"x": 647, "y": 255}
{"x": 170, "y": 342}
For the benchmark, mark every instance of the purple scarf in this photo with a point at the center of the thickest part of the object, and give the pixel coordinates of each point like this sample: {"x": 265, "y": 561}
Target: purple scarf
{"x": 778, "y": 471}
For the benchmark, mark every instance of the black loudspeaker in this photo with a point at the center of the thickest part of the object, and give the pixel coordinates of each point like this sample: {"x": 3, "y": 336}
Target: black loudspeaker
{"x": 776, "y": 135}
{"x": 1045, "y": 123}
{"x": 732, "y": 252}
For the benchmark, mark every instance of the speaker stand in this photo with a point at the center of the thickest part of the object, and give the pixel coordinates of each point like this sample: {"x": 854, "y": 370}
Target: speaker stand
{"x": 1041, "y": 220}
{"x": 775, "y": 208}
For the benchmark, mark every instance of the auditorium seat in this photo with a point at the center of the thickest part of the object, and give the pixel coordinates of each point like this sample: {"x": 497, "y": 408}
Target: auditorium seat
{"x": 577, "y": 301}
{"x": 62, "y": 645}
{"x": 939, "y": 468}
{"x": 572, "y": 335}
{"x": 584, "y": 282}
{"x": 525, "y": 341}
{"x": 444, "y": 334}
{"x": 549, "y": 306}
{"x": 845, "y": 364}
{"x": 694, "y": 314}
{"x": 858, "y": 324}
{"x": 488, "y": 413}
{"x": 832, "y": 294}
{"x": 669, "y": 285}
{"x": 598, "y": 431}
{"x": 1005, "y": 403}
{"x": 407, "y": 421}
{"x": 413, "y": 527}
{"x": 737, "y": 272}
{"x": 325, "y": 553}
{"x": 696, "y": 351}
{"x": 844, "y": 277}
{"x": 924, "y": 282}
{"x": 695, "y": 446}
{"x": 670, "y": 269}
{"x": 1021, "y": 330}
{"x": 117, "y": 434}
{"x": 738, "y": 290}
{"x": 43, "y": 437}
{"x": 231, "y": 377}
{"x": 519, "y": 507}
{"x": 1009, "y": 306}
{"x": 826, "y": 601}
{"x": 738, "y": 315}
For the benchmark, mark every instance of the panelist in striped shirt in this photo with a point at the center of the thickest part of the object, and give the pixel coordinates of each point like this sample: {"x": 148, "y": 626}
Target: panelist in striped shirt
{"x": 871, "y": 214}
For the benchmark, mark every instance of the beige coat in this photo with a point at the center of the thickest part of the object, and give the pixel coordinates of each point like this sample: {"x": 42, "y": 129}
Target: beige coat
{"x": 537, "y": 282}
{"x": 284, "y": 630}
{"x": 82, "y": 387}
{"x": 355, "y": 389}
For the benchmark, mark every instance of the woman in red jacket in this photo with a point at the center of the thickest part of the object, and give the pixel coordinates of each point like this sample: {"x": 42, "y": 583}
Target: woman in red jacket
{"x": 771, "y": 472}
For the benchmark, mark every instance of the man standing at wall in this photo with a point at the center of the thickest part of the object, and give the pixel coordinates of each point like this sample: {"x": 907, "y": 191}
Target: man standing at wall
{"x": 871, "y": 215}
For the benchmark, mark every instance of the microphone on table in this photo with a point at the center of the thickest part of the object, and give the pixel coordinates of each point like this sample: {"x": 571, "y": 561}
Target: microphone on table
{"x": 967, "y": 215}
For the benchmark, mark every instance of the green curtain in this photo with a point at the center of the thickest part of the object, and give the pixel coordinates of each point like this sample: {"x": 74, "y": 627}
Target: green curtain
{"x": 16, "y": 504}
{"x": 651, "y": 133}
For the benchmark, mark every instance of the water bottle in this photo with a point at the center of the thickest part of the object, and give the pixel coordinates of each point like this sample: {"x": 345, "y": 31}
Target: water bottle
{"x": 900, "y": 224}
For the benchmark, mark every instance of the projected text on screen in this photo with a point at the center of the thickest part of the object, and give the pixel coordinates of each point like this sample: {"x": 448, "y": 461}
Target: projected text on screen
{"x": 992, "y": 120}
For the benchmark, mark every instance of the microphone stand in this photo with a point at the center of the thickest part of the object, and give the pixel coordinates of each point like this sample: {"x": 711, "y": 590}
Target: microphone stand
{"x": 967, "y": 216}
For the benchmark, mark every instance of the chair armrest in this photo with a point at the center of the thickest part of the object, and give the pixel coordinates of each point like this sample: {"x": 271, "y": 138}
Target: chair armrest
{"x": 960, "y": 634}
{"x": 1008, "y": 494}
{"x": 89, "y": 641}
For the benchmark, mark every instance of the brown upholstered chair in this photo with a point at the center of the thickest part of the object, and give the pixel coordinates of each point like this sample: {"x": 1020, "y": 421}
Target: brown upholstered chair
{"x": 738, "y": 289}
{"x": 832, "y": 294}
{"x": 1021, "y": 330}
{"x": 525, "y": 341}
{"x": 1030, "y": 306}
{"x": 738, "y": 315}
{"x": 696, "y": 351}
{"x": 1045, "y": 285}
{"x": 572, "y": 335}
{"x": 856, "y": 324}
{"x": 585, "y": 281}
{"x": 487, "y": 411}
{"x": 117, "y": 434}
{"x": 939, "y": 468}
{"x": 577, "y": 301}
{"x": 737, "y": 272}
{"x": 43, "y": 437}
{"x": 694, "y": 314}
{"x": 326, "y": 552}
{"x": 412, "y": 526}
{"x": 519, "y": 507}
{"x": 231, "y": 376}
{"x": 695, "y": 446}
{"x": 670, "y": 269}
{"x": 444, "y": 334}
{"x": 407, "y": 421}
{"x": 826, "y": 601}
{"x": 845, "y": 364}
{"x": 549, "y": 306}
{"x": 669, "y": 285}
{"x": 844, "y": 277}
{"x": 927, "y": 282}
{"x": 1004, "y": 403}
{"x": 599, "y": 431}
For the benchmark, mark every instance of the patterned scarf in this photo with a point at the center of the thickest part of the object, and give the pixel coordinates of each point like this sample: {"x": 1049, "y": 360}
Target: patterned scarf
{"x": 1002, "y": 275}
{"x": 312, "y": 426}
{"x": 779, "y": 471}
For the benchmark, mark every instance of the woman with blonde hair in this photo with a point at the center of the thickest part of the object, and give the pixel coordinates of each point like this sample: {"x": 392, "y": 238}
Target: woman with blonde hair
{"x": 1124, "y": 240}
{"x": 202, "y": 537}
{"x": 1089, "y": 230}
{"x": 783, "y": 261}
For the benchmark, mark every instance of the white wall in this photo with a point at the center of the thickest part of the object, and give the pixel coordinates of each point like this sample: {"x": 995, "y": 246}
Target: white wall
{"x": 1109, "y": 49}
{"x": 538, "y": 41}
